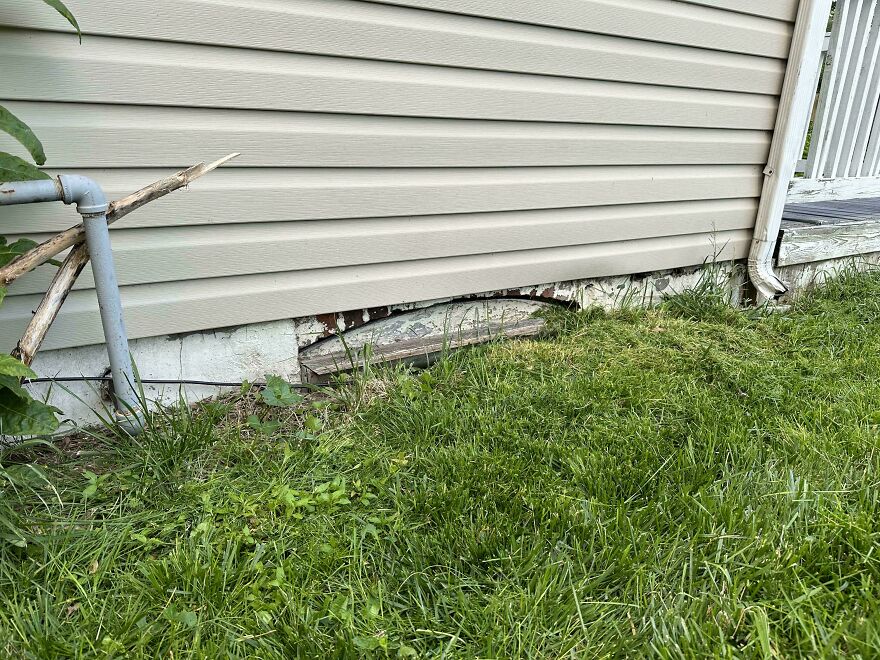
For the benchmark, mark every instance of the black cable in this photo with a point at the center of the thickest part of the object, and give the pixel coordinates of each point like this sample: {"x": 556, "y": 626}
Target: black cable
{"x": 152, "y": 381}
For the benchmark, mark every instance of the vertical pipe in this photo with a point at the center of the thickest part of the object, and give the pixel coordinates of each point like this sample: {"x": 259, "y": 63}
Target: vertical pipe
{"x": 92, "y": 206}
{"x": 110, "y": 305}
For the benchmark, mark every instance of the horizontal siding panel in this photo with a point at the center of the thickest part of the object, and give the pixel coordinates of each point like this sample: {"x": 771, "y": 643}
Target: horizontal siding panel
{"x": 650, "y": 20}
{"x": 157, "y": 309}
{"x": 110, "y": 70}
{"x": 362, "y": 30}
{"x": 235, "y": 195}
{"x": 784, "y": 10}
{"x": 82, "y": 135}
{"x": 147, "y": 255}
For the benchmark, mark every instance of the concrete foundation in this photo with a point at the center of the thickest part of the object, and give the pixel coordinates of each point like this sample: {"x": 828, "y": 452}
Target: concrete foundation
{"x": 250, "y": 352}
{"x": 229, "y": 356}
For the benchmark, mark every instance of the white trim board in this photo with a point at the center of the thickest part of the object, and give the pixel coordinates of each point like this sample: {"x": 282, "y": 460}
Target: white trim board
{"x": 820, "y": 190}
{"x": 802, "y": 243}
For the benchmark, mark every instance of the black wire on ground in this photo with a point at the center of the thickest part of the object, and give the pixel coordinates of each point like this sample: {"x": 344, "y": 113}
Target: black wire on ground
{"x": 154, "y": 381}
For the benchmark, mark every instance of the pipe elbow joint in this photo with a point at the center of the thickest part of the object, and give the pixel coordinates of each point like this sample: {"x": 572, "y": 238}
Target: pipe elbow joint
{"x": 85, "y": 193}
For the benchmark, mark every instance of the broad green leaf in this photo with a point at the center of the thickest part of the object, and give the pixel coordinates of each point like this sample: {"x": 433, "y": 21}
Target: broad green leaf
{"x": 13, "y": 250}
{"x": 9, "y": 366}
{"x": 10, "y": 252}
{"x": 13, "y": 168}
{"x": 59, "y": 6}
{"x": 279, "y": 393}
{"x": 186, "y": 617}
{"x": 189, "y": 619}
{"x": 25, "y": 417}
{"x": 15, "y": 127}
{"x": 12, "y": 384}
{"x": 313, "y": 423}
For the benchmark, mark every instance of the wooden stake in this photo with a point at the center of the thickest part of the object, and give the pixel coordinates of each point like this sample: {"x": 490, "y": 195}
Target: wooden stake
{"x": 51, "y": 303}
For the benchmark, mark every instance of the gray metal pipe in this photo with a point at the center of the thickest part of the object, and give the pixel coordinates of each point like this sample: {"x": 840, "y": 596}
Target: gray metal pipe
{"x": 92, "y": 205}
{"x": 28, "y": 192}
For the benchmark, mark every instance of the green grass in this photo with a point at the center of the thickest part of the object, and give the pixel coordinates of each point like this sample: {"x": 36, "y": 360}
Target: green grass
{"x": 685, "y": 482}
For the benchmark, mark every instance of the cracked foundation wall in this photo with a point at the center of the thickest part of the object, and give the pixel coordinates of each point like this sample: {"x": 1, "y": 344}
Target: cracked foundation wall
{"x": 250, "y": 352}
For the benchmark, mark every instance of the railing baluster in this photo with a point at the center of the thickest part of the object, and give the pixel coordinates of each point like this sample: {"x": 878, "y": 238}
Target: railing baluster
{"x": 872, "y": 152}
{"x": 872, "y": 159}
{"x": 841, "y": 92}
{"x": 843, "y": 159}
{"x": 829, "y": 82}
{"x": 860, "y": 78}
{"x": 859, "y": 159}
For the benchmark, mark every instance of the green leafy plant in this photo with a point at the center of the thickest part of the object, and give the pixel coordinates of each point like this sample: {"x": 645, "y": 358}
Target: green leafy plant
{"x": 20, "y": 414}
{"x": 279, "y": 393}
{"x": 13, "y": 168}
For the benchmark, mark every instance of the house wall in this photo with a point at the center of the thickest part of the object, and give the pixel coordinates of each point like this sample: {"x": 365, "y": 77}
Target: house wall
{"x": 249, "y": 352}
{"x": 391, "y": 151}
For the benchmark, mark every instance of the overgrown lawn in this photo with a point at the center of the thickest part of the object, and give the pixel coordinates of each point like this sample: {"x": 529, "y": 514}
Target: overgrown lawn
{"x": 690, "y": 481}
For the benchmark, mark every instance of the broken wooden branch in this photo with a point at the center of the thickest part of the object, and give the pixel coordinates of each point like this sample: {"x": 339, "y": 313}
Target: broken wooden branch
{"x": 78, "y": 257}
{"x": 118, "y": 209}
{"x": 51, "y": 303}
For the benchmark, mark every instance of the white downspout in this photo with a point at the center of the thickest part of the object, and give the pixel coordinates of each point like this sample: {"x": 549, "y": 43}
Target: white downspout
{"x": 795, "y": 106}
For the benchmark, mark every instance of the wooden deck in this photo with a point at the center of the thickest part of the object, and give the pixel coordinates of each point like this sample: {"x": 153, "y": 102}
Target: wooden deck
{"x": 816, "y": 231}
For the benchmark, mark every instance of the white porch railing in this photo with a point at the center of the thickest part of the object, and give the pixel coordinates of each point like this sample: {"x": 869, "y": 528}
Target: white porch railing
{"x": 843, "y": 161}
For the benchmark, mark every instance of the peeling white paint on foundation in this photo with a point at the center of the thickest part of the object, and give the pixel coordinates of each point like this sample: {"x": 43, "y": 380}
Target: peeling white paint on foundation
{"x": 229, "y": 355}
{"x": 250, "y": 352}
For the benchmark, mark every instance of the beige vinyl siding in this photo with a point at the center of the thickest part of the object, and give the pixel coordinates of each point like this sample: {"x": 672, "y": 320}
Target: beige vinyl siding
{"x": 392, "y": 151}
{"x": 283, "y": 194}
{"x": 125, "y": 136}
{"x": 188, "y": 252}
{"x": 365, "y": 31}
{"x": 171, "y": 307}
{"x": 782, "y": 9}
{"x": 111, "y": 70}
{"x": 709, "y": 26}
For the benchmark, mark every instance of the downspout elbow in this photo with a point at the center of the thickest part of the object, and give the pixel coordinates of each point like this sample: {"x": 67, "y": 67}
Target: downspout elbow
{"x": 761, "y": 273}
